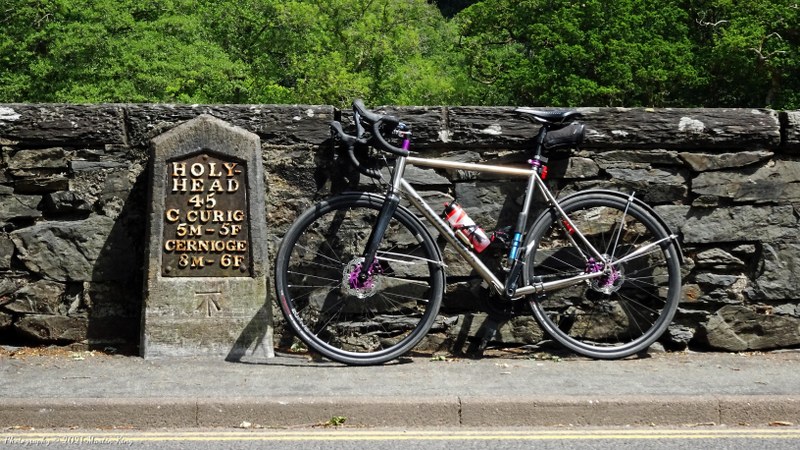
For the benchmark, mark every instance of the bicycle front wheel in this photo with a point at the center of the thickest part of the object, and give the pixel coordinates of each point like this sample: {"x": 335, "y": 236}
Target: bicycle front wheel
{"x": 343, "y": 316}
{"x": 626, "y": 309}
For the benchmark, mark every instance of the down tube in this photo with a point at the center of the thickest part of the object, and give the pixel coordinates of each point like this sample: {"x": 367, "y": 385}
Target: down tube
{"x": 445, "y": 231}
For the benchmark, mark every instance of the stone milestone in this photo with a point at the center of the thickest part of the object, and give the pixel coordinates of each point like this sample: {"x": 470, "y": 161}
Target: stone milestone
{"x": 205, "y": 286}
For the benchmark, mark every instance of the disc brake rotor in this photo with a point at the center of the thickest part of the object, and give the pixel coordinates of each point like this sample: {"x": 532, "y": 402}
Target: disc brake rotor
{"x": 352, "y": 283}
{"x": 609, "y": 282}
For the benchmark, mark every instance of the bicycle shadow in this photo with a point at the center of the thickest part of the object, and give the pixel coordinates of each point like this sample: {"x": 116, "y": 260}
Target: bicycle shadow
{"x": 475, "y": 346}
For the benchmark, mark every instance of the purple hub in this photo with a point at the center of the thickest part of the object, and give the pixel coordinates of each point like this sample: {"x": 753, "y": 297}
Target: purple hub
{"x": 609, "y": 282}
{"x": 355, "y": 283}
{"x": 593, "y": 266}
{"x": 356, "y": 286}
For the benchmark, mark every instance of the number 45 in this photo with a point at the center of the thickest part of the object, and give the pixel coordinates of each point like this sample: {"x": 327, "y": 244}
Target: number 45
{"x": 198, "y": 201}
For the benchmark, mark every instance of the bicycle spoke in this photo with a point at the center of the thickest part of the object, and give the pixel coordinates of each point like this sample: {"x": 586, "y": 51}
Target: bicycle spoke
{"x": 350, "y": 313}
{"x": 629, "y": 304}
{"x": 309, "y": 275}
{"x": 416, "y": 299}
{"x": 323, "y": 266}
{"x": 318, "y": 253}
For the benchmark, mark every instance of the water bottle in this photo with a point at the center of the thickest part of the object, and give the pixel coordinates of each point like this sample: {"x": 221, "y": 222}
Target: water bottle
{"x": 465, "y": 228}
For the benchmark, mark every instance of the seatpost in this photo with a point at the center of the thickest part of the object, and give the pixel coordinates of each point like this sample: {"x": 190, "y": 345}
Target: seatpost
{"x": 539, "y": 143}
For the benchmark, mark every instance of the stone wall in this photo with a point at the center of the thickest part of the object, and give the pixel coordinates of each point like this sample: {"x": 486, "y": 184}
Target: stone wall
{"x": 73, "y": 205}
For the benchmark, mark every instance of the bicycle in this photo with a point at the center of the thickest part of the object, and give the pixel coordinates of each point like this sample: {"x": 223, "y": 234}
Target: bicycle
{"x": 360, "y": 278}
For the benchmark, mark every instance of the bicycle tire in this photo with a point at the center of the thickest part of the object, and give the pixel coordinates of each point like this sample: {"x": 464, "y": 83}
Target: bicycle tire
{"x": 329, "y": 310}
{"x": 618, "y": 314}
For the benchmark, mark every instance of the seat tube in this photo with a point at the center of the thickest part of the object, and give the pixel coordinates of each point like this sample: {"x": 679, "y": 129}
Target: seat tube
{"x": 522, "y": 219}
{"x": 514, "y": 259}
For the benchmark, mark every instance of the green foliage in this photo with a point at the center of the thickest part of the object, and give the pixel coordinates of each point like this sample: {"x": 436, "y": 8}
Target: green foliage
{"x": 593, "y": 52}
{"x": 335, "y": 421}
{"x": 747, "y": 52}
{"x": 331, "y": 51}
{"x": 533, "y": 52}
{"x": 112, "y": 51}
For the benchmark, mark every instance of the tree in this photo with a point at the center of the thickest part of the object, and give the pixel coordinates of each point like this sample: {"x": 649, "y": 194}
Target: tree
{"x": 490, "y": 52}
{"x": 331, "y": 51}
{"x": 20, "y": 22}
{"x": 217, "y": 51}
{"x": 748, "y": 52}
{"x": 592, "y": 53}
{"x": 112, "y": 51}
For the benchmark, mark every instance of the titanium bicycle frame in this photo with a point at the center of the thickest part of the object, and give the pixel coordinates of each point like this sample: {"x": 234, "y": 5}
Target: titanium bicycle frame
{"x": 515, "y": 256}
{"x": 601, "y": 266}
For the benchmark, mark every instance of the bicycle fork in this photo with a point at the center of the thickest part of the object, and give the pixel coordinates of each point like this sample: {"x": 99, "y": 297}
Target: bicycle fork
{"x": 384, "y": 217}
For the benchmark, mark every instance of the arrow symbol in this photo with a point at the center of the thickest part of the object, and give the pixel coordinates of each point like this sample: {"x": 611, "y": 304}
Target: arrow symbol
{"x": 209, "y": 304}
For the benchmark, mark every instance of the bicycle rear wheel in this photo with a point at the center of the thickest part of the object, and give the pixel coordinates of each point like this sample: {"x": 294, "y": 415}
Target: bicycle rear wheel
{"x": 617, "y": 314}
{"x": 330, "y": 309}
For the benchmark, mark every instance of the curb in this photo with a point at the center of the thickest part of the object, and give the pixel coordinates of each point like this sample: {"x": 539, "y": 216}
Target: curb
{"x": 411, "y": 412}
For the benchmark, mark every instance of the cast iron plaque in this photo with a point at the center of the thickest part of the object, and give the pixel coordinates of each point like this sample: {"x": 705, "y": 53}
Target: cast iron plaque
{"x": 205, "y": 218}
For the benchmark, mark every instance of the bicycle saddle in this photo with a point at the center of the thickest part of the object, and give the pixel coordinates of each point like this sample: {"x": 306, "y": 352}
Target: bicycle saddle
{"x": 551, "y": 117}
